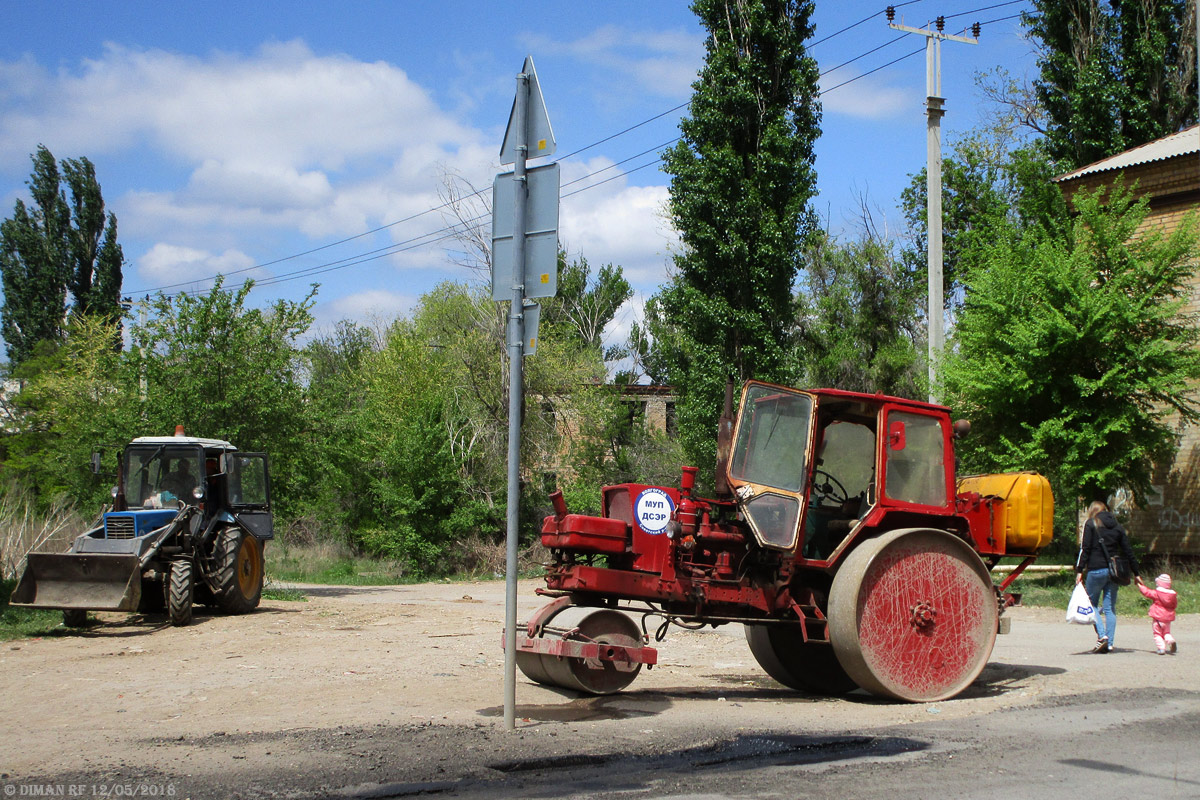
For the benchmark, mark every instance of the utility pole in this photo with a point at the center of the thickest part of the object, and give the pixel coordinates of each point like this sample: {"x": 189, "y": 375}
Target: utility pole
{"x": 934, "y": 110}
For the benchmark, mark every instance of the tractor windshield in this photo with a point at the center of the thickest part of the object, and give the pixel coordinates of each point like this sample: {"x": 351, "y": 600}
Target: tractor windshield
{"x": 162, "y": 476}
{"x": 772, "y": 438}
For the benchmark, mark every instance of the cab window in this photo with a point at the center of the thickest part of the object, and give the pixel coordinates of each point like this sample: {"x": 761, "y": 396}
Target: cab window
{"x": 915, "y": 466}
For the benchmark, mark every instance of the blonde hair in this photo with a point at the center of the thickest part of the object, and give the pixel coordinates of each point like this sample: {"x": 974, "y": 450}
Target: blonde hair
{"x": 1095, "y": 508}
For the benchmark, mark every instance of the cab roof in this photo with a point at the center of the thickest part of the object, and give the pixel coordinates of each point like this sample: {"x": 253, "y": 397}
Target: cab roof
{"x": 207, "y": 444}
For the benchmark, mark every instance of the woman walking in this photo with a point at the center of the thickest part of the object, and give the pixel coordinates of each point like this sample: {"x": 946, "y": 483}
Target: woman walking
{"x": 1103, "y": 536}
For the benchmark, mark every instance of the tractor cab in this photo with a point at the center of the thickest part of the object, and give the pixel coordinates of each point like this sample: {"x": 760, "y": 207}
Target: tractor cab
{"x": 809, "y": 467}
{"x": 169, "y": 473}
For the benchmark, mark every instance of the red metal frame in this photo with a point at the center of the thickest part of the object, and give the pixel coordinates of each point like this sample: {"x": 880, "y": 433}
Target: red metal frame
{"x": 592, "y": 651}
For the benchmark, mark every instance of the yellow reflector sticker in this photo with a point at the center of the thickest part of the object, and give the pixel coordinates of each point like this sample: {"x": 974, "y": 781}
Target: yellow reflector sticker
{"x": 541, "y": 144}
{"x": 545, "y": 277}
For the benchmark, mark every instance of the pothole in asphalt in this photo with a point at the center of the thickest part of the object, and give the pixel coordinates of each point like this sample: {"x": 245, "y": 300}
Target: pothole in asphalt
{"x": 586, "y": 709}
{"x": 789, "y": 750}
{"x": 743, "y": 752}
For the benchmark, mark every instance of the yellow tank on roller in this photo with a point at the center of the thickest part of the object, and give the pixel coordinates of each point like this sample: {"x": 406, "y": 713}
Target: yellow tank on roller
{"x": 1022, "y": 512}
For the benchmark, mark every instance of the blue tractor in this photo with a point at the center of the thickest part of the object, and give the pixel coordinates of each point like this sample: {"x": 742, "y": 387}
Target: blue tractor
{"x": 189, "y": 520}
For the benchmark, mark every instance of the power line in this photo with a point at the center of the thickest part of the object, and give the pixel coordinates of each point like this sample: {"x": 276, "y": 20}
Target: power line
{"x": 920, "y": 49}
{"x": 865, "y": 19}
{"x": 984, "y": 8}
{"x": 316, "y": 249}
{"x": 862, "y": 55}
{"x": 447, "y": 232}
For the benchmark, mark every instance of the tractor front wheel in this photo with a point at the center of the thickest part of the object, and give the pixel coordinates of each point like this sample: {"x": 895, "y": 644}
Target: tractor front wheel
{"x": 180, "y": 591}
{"x": 75, "y": 618}
{"x": 239, "y": 571}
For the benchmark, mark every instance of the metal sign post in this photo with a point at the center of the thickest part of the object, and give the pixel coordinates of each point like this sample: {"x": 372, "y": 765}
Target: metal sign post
{"x": 528, "y": 135}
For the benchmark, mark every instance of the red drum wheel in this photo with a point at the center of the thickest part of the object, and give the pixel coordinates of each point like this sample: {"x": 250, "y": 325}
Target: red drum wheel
{"x": 807, "y": 666}
{"x": 591, "y": 676}
{"x": 913, "y": 615}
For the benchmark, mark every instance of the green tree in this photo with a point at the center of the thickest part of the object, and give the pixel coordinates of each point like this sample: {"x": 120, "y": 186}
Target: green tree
{"x": 861, "y": 329}
{"x": 988, "y": 185}
{"x": 742, "y": 178}
{"x": 33, "y": 262}
{"x": 1072, "y": 351}
{"x": 80, "y": 400}
{"x": 586, "y": 303}
{"x": 55, "y": 246}
{"x": 95, "y": 256}
{"x": 227, "y": 371}
{"x": 1112, "y": 79}
{"x": 334, "y": 398}
{"x": 418, "y": 503}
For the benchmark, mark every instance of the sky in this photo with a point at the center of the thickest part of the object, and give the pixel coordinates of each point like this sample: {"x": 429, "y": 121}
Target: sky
{"x": 312, "y": 142}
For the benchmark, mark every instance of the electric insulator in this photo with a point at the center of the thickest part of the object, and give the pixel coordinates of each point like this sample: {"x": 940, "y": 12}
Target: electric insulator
{"x": 941, "y": 23}
{"x": 975, "y": 30}
{"x": 891, "y": 13}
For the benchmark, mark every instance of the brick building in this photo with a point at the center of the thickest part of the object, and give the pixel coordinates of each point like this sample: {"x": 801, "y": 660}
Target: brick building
{"x": 1168, "y": 171}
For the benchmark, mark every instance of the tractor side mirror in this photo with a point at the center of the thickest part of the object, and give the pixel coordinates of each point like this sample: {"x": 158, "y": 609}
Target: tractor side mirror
{"x": 896, "y": 435}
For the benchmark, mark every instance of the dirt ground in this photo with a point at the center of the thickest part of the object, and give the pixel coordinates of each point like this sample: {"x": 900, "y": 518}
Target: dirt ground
{"x": 399, "y": 687}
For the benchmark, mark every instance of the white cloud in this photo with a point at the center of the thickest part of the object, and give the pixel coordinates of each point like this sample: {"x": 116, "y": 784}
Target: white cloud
{"x": 230, "y": 160}
{"x": 259, "y": 185}
{"x": 662, "y": 63}
{"x": 617, "y": 223}
{"x": 272, "y": 138}
{"x": 282, "y": 105}
{"x": 866, "y": 98}
{"x": 171, "y": 264}
{"x": 372, "y": 306}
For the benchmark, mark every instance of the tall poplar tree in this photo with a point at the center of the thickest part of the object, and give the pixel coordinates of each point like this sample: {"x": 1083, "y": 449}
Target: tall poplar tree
{"x": 57, "y": 245}
{"x": 1113, "y": 75}
{"x": 742, "y": 179}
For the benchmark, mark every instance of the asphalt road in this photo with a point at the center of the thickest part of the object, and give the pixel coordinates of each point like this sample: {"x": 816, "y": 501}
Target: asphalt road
{"x": 396, "y": 693}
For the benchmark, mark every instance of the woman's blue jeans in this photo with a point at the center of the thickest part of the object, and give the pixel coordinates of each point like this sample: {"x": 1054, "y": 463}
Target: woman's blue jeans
{"x": 1100, "y": 586}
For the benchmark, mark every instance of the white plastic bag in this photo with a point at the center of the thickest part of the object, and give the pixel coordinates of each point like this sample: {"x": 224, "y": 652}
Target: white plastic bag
{"x": 1080, "y": 610}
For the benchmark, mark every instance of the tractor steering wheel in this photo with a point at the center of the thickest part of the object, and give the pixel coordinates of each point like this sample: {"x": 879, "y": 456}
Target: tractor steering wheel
{"x": 829, "y": 491}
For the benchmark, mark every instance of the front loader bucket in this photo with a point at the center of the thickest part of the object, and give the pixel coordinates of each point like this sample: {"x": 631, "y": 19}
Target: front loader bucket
{"x": 93, "y": 582}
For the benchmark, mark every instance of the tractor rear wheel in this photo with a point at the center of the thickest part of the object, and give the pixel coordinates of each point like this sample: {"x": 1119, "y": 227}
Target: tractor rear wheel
{"x": 805, "y": 666}
{"x": 239, "y": 571}
{"x": 913, "y": 615}
{"x": 180, "y": 591}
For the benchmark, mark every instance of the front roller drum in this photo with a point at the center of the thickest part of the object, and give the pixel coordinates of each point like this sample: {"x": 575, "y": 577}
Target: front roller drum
{"x": 601, "y": 654}
{"x": 913, "y": 615}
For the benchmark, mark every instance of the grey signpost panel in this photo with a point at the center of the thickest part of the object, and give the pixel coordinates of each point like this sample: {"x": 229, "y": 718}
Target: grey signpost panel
{"x": 533, "y": 316}
{"x": 541, "y": 233}
{"x": 534, "y": 218}
{"x": 534, "y": 138}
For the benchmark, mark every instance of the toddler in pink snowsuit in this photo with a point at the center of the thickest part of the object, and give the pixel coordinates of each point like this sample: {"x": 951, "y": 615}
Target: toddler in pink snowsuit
{"x": 1162, "y": 611}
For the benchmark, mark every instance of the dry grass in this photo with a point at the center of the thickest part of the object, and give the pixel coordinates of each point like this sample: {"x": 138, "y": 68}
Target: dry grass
{"x": 330, "y": 562}
{"x": 477, "y": 557}
{"x": 23, "y": 530}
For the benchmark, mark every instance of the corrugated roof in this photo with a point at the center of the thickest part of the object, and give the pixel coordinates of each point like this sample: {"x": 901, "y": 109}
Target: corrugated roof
{"x": 1177, "y": 144}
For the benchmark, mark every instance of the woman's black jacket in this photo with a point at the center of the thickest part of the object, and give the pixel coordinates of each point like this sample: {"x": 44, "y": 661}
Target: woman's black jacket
{"x": 1091, "y": 554}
